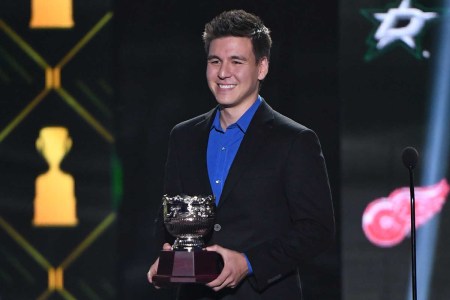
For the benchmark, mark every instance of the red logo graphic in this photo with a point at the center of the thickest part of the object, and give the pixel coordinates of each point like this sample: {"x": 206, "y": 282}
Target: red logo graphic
{"x": 386, "y": 221}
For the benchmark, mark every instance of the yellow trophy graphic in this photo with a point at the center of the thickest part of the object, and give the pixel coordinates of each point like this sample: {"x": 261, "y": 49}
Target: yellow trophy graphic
{"x": 51, "y": 14}
{"x": 54, "y": 202}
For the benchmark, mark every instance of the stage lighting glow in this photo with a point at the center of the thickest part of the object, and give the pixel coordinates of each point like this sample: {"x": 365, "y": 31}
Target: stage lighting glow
{"x": 436, "y": 153}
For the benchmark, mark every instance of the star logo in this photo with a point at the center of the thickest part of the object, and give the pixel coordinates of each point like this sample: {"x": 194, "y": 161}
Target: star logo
{"x": 403, "y": 25}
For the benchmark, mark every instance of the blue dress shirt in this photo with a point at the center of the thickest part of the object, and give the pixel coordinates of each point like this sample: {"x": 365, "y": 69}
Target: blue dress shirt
{"x": 222, "y": 148}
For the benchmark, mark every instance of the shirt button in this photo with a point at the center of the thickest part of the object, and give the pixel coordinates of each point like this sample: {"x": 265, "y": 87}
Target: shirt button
{"x": 217, "y": 181}
{"x": 223, "y": 148}
{"x": 217, "y": 227}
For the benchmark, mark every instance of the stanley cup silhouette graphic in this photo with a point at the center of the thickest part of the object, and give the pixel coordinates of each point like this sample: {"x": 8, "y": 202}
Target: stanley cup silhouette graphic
{"x": 54, "y": 202}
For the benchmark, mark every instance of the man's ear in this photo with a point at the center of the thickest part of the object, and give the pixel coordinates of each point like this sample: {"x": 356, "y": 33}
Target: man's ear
{"x": 263, "y": 66}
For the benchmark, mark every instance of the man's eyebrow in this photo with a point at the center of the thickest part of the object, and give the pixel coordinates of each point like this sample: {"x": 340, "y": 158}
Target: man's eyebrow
{"x": 232, "y": 57}
{"x": 212, "y": 57}
{"x": 239, "y": 57}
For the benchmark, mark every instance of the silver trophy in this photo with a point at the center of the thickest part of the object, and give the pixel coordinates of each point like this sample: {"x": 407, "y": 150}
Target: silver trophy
{"x": 189, "y": 219}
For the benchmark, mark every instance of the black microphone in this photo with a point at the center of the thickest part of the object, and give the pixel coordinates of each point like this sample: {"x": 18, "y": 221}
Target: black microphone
{"x": 410, "y": 157}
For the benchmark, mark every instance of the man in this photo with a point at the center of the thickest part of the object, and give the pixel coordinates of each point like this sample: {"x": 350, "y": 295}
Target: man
{"x": 266, "y": 171}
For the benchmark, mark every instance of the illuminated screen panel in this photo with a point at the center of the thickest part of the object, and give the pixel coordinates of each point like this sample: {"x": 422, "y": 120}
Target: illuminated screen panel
{"x": 394, "y": 86}
{"x": 57, "y": 216}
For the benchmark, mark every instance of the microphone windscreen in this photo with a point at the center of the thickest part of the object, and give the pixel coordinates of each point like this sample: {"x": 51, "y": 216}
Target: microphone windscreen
{"x": 410, "y": 157}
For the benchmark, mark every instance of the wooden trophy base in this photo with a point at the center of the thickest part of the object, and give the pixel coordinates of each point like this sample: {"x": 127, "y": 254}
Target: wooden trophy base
{"x": 176, "y": 267}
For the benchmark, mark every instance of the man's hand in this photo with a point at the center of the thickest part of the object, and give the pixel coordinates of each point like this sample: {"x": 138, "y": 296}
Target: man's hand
{"x": 154, "y": 268}
{"x": 234, "y": 270}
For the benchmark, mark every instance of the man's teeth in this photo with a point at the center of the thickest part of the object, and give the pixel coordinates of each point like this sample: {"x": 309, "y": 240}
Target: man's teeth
{"x": 226, "y": 86}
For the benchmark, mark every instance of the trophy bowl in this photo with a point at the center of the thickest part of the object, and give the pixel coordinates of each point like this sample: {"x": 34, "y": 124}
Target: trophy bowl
{"x": 189, "y": 219}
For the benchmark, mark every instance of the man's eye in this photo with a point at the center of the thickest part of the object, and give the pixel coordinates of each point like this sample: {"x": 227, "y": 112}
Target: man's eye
{"x": 214, "y": 61}
{"x": 237, "y": 62}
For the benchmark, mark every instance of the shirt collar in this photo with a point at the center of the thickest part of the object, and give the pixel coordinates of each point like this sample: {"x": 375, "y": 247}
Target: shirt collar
{"x": 244, "y": 120}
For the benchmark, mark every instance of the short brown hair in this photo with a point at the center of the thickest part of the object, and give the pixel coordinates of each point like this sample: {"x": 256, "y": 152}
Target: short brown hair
{"x": 241, "y": 24}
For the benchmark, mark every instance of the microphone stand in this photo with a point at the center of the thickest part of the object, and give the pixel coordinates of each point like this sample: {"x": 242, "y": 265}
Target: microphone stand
{"x": 413, "y": 233}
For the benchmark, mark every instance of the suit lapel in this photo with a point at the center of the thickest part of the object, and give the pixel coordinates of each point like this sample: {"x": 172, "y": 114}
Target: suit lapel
{"x": 254, "y": 138}
{"x": 201, "y": 143}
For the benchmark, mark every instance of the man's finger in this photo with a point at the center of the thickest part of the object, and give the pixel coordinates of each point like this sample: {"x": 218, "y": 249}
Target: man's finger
{"x": 219, "y": 280}
{"x": 227, "y": 282}
{"x": 215, "y": 248}
{"x": 223, "y": 285}
{"x": 152, "y": 272}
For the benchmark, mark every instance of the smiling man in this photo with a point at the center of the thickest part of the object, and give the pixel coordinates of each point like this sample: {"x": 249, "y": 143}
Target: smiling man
{"x": 233, "y": 75}
{"x": 266, "y": 171}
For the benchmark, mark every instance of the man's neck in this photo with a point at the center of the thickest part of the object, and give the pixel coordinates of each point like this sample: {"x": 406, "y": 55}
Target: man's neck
{"x": 230, "y": 115}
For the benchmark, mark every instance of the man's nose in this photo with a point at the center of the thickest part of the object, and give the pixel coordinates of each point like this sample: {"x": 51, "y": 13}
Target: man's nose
{"x": 224, "y": 71}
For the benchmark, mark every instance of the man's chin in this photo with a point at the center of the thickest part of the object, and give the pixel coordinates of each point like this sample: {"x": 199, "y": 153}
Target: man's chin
{"x": 225, "y": 103}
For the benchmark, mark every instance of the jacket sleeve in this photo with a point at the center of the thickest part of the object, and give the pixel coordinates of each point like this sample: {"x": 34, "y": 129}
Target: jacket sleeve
{"x": 172, "y": 186}
{"x": 307, "y": 190}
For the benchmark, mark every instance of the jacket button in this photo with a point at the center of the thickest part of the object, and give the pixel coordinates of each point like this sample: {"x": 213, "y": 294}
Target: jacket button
{"x": 217, "y": 227}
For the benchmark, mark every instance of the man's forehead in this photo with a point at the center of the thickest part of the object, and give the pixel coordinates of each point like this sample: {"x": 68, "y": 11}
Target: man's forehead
{"x": 231, "y": 47}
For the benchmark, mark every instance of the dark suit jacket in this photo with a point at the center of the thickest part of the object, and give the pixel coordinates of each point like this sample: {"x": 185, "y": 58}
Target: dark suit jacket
{"x": 275, "y": 206}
